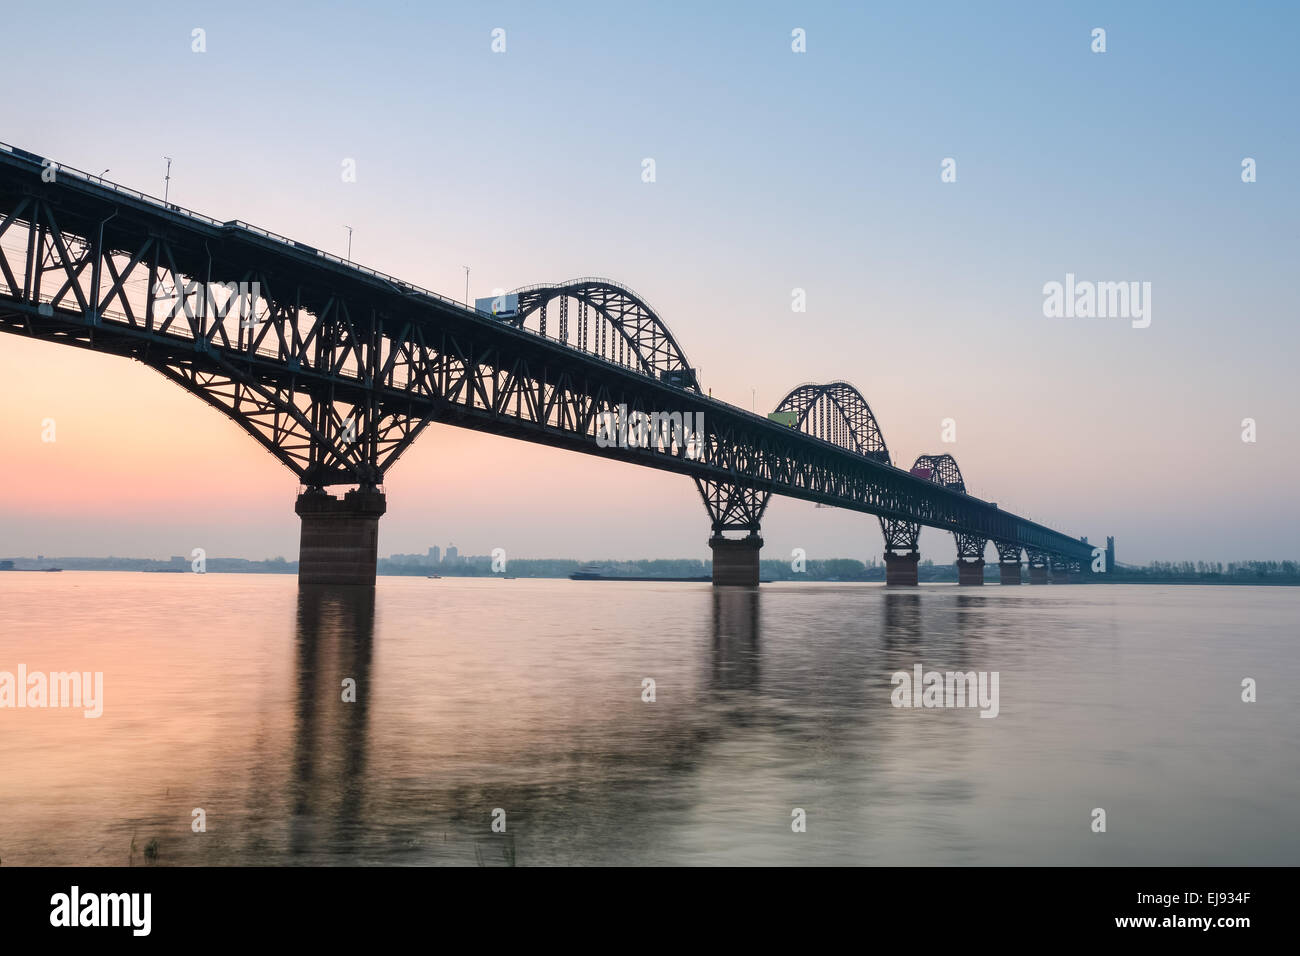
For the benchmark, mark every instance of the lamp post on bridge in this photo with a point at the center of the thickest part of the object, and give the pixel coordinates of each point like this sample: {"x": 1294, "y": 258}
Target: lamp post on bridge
{"x": 167, "y": 180}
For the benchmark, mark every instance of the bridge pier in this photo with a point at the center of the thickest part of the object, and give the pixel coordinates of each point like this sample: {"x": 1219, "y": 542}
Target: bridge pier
{"x": 1008, "y": 561}
{"x": 1037, "y": 567}
{"x": 735, "y": 560}
{"x": 901, "y": 556}
{"x": 1061, "y": 572}
{"x": 970, "y": 558}
{"x": 900, "y": 569}
{"x": 970, "y": 571}
{"x": 340, "y": 537}
{"x": 734, "y": 507}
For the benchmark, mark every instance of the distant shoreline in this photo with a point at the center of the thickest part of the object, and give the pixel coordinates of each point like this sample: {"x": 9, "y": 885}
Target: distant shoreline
{"x": 774, "y": 572}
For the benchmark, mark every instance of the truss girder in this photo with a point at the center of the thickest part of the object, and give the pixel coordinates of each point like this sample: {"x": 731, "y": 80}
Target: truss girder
{"x": 1008, "y": 551}
{"x": 837, "y": 413}
{"x": 970, "y": 547}
{"x": 733, "y": 506}
{"x": 900, "y": 535}
{"x": 336, "y": 371}
{"x": 943, "y": 471}
{"x": 635, "y": 337}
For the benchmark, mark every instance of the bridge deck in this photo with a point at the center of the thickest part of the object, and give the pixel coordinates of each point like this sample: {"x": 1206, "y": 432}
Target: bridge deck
{"x": 336, "y": 368}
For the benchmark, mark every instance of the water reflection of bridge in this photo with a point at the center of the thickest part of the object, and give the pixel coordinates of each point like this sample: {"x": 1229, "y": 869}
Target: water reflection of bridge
{"x": 814, "y": 713}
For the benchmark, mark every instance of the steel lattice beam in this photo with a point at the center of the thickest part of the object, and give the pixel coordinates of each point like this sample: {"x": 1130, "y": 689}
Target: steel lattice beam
{"x": 336, "y": 369}
{"x": 732, "y": 506}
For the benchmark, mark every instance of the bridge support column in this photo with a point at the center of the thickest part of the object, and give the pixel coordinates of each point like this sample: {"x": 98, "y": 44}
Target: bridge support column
{"x": 734, "y": 507}
{"x": 970, "y": 571}
{"x": 1037, "y": 567}
{"x": 970, "y": 558}
{"x": 735, "y": 560}
{"x": 1008, "y": 561}
{"x": 901, "y": 556}
{"x": 340, "y": 537}
{"x": 1061, "y": 571}
{"x": 900, "y": 569}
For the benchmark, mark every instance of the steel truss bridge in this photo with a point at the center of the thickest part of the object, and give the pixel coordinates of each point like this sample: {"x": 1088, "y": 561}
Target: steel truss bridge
{"x": 336, "y": 369}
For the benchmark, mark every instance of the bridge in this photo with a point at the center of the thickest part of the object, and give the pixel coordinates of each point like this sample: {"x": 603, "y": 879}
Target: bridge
{"x": 335, "y": 369}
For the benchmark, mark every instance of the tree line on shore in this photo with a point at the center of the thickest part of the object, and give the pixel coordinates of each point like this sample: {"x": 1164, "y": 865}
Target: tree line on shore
{"x": 829, "y": 569}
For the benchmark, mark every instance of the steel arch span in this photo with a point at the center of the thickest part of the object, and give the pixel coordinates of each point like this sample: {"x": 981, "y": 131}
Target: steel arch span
{"x": 836, "y": 412}
{"x": 336, "y": 368}
{"x": 607, "y": 319}
{"x": 942, "y": 470}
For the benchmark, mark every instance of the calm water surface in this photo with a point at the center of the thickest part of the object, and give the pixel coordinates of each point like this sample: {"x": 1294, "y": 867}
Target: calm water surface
{"x": 223, "y": 692}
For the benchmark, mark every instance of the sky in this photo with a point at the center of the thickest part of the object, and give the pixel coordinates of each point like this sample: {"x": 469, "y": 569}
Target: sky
{"x": 775, "y": 170}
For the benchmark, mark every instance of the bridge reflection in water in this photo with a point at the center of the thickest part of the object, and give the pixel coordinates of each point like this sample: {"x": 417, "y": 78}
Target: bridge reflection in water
{"x": 736, "y": 661}
{"x": 620, "y": 783}
{"x": 334, "y": 646}
{"x": 475, "y": 695}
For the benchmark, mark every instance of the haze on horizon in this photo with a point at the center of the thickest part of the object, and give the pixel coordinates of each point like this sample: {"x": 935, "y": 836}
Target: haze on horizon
{"x": 775, "y": 171}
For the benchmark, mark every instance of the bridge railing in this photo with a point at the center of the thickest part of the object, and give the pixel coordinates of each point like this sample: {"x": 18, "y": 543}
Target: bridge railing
{"x": 401, "y": 284}
{"x": 106, "y": 184}
{"x": 183, "y": 330}
{"x": 241, "y": 226}
{"x": 238, "y": 224}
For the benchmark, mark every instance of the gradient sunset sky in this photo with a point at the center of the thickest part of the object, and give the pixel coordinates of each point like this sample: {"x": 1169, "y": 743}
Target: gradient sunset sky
{"x": 774, "y": 170}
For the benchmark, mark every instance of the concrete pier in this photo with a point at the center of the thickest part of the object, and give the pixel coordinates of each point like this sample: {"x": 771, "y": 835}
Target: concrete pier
{"x": 900, "y": 569}
{"x": 735, "y": 560}
{"x": 1038, "y": 574}
{"x": 970, "y": 572}
{"x": 1010, "y": 571}
{"x": 340, "y": 537}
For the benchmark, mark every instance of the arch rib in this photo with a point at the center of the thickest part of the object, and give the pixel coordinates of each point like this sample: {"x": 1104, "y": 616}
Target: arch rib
{"x": 640, "y": 339}
{"x": 836, "y": 412}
